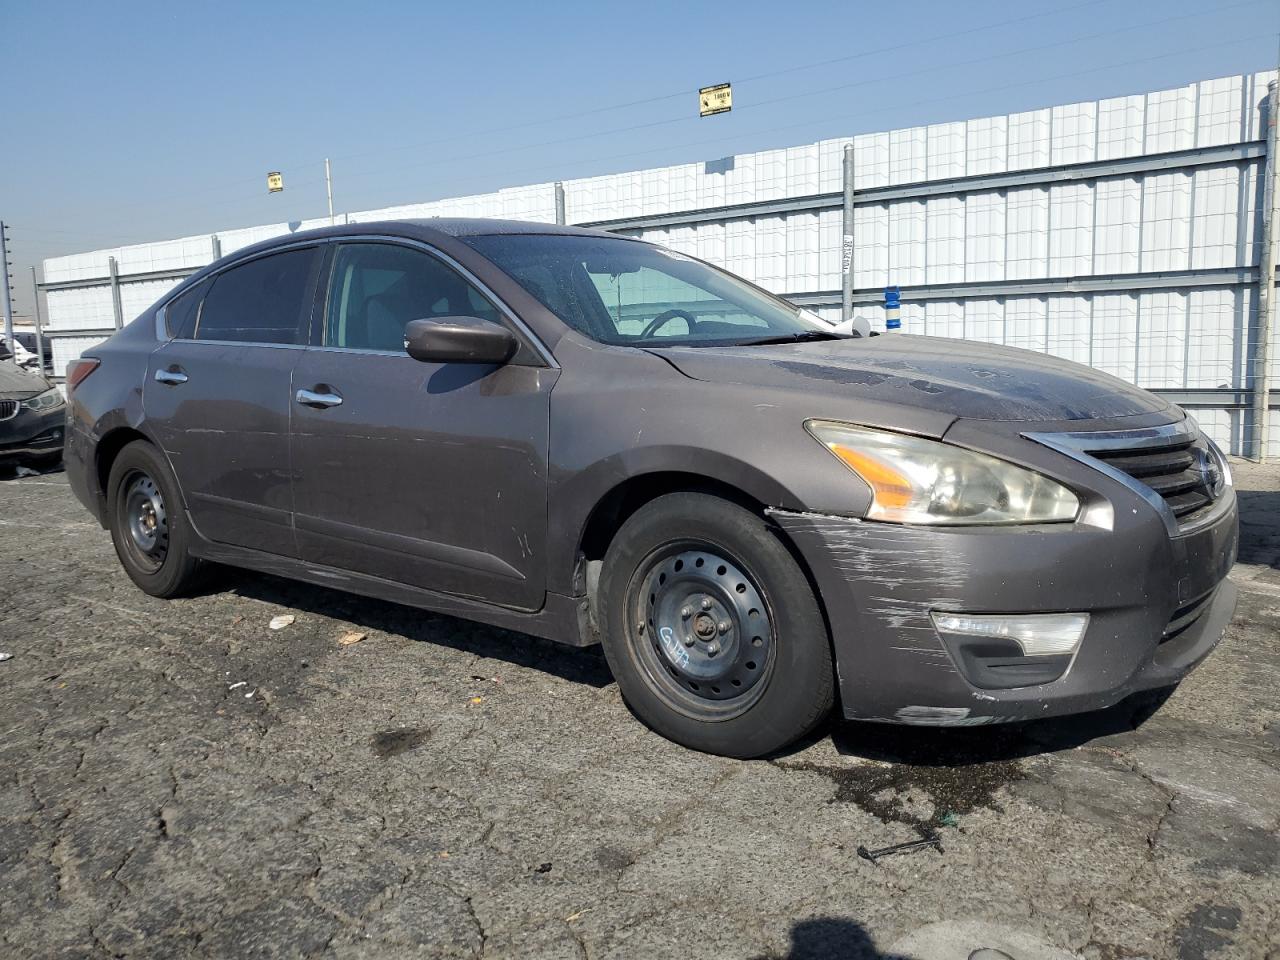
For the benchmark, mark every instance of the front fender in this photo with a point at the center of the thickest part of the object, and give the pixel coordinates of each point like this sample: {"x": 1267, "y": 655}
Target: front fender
{"x": 619, "y": 414}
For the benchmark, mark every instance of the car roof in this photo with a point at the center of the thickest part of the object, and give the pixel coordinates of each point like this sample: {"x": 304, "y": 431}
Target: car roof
{"x": 428, "y": 229}
{"x": 484, "y": 227}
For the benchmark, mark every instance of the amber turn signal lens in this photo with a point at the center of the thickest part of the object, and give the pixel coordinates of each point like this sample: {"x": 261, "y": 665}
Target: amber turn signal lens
{"x": 891, "y": 488}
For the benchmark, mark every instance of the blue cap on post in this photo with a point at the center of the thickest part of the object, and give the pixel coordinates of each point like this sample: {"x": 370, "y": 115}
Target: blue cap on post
{"x": 892, "y": 302}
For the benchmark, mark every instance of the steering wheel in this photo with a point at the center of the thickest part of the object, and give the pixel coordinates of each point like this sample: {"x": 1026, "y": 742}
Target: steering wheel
{"x": 662, "y": 319}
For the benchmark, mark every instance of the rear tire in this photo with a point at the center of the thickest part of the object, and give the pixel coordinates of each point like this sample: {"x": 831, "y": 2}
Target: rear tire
{"x": 712, "y": 630}
{"x": 149, "y": 526}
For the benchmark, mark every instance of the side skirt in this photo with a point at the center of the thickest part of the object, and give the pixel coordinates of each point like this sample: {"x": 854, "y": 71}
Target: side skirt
{"x": 562, "y": 619}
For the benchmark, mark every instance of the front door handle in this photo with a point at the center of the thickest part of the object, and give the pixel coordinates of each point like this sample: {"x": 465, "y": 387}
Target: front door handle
{"x": 316, "y": 398}
{"x": 172, "y": 376}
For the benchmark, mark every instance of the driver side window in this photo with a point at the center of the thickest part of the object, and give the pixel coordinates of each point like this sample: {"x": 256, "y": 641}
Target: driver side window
{"x": 377, "y": 288}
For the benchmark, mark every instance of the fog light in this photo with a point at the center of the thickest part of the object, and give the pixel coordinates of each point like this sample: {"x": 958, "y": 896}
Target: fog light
{"x": 1038, "y": 634}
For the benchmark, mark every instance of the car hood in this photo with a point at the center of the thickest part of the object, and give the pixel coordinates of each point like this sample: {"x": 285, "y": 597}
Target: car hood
{"x": 958, "y": 377}
{"x": 18, "y": 384}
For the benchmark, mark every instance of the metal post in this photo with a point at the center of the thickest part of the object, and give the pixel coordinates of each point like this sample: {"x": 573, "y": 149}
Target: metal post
{"x": 1266, "y": 278}
{"x": 560, "y": 203}
{"x": 35, "y": 309}
{"x": 8, "y": 302}
{"x": 116, "y": 308}
{"x": 215, "y": 244}
{"x": 328, "y": 186}
{"x": 846, "y": 241}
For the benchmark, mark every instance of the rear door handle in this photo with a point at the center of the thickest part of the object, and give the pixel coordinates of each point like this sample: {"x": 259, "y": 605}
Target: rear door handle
{"x": 172, "y": 376}
{"x": 313, "y": 398}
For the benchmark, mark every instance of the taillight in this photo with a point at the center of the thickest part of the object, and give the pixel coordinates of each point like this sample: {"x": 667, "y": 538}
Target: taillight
{"x": 79, "y": 369}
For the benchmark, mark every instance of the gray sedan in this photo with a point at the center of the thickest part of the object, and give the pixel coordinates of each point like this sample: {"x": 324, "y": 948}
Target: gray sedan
{"x": 594, "y": 439}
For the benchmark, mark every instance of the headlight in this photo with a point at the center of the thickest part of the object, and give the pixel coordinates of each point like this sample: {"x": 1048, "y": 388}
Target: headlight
{"x": 914, "y": 480}
{"x": 44, "y": 401}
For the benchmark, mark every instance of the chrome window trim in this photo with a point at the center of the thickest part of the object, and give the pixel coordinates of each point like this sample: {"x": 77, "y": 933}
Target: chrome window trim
{"x": 539, "y": 347}
{"x": 363, "y": 351}
{"x": 1074, "y": 445}
{"x": 243, "y": 343}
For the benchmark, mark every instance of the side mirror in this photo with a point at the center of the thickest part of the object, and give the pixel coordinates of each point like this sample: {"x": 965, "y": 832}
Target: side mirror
{"x": 459, "y": 340}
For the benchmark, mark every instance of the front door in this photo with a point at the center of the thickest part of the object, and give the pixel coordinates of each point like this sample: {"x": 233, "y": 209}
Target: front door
{"x": 430, "y": 474}
{"x": 217, "y": 397}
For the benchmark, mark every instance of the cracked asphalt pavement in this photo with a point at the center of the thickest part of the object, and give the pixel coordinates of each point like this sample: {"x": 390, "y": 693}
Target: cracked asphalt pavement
{"x": 176, "y": 780}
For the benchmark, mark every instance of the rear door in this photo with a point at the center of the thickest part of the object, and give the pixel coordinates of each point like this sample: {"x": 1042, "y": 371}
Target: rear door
{"x": 217, "y": 396}
{"x": 430, "y": 474}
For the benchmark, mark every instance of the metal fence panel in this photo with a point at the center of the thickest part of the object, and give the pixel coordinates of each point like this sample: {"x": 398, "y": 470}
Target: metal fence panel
{"x": 1124, "y": 233}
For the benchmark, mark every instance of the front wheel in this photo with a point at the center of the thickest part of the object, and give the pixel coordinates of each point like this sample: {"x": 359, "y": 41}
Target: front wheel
{"x": 712, "y": 629}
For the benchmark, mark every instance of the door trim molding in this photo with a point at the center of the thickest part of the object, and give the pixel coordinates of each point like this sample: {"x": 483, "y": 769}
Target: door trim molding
{"x": 398, "y": 543}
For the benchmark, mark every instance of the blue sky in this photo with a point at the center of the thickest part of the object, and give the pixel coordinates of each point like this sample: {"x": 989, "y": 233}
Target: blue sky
{"x": 143, "y": 121}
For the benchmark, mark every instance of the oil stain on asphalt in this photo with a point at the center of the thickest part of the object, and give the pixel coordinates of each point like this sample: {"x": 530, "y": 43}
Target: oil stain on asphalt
{"x": 956, "y": 772}
{"x": 392, "y": 743}
{"x": 884, "y": 791}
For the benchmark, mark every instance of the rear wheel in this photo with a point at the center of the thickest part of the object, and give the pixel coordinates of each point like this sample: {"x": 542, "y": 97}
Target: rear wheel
{"x": 712, "y": 630}
{"x": 148, "y": 527}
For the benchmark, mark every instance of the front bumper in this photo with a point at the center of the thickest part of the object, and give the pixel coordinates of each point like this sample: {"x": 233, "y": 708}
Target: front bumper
{"x": 879, "y": 583}
{"x": 32, "y": 435}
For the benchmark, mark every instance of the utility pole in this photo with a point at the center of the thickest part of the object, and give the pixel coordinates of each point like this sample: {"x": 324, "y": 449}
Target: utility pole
{"x": 846, "y": 241}
{"x": 35, "y": 309}
{"x": 1266, "y": 278}
{"x": 328, "y": 186}
{"x": 8, "y": 302}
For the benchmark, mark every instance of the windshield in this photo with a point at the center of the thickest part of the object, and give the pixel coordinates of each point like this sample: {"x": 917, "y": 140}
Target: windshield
{"x": 623, "y": 292}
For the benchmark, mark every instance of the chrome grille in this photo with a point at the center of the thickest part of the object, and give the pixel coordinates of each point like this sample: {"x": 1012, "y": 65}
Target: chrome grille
{"x": 1173, "y": 467}
{"x": 1174, "y": 471}
{"x": 8, "y": 409}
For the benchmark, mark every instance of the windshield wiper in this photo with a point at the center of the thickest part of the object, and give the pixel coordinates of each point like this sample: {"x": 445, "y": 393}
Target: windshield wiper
{"x": 800, "y": 337}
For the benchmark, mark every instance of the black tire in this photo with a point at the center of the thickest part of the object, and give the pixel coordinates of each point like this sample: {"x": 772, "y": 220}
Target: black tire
{"x": 141, "y": 479}
{"x": 688, "y": 564}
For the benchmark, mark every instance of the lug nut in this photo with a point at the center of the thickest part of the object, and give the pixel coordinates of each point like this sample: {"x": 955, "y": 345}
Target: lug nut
{"x": 706, "y": 603}
{"x": 723, "y": 626}
{"x": 686, "y": 612}
{"x": 712, "y": 649}
{"x": 688, "y": 641}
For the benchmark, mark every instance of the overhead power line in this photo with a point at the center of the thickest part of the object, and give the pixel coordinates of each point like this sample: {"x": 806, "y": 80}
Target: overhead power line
{"x": 382, "y": 169}
{"x": 915, "y": 43}
{"x": 884, "y": 108}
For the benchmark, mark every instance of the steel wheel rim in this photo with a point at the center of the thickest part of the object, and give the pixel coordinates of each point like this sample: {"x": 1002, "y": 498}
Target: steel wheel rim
{"x": 147, "y": 521}
{"x": 702, "y": 630}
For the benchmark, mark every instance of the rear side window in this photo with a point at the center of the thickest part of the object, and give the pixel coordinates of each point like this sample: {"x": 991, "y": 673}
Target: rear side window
{"x": 181, "y": 313}
{"x": 263, "y": 301}
{"x": 377, "y": 288}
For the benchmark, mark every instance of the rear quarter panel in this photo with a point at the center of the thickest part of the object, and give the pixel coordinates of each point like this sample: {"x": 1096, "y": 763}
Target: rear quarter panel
{"x": 110, "y": 399}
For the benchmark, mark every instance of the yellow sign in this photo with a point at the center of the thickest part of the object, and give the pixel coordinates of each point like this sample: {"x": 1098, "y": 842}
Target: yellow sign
{"x": 275, "y": 182}
{"x": 713, "y": 100}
